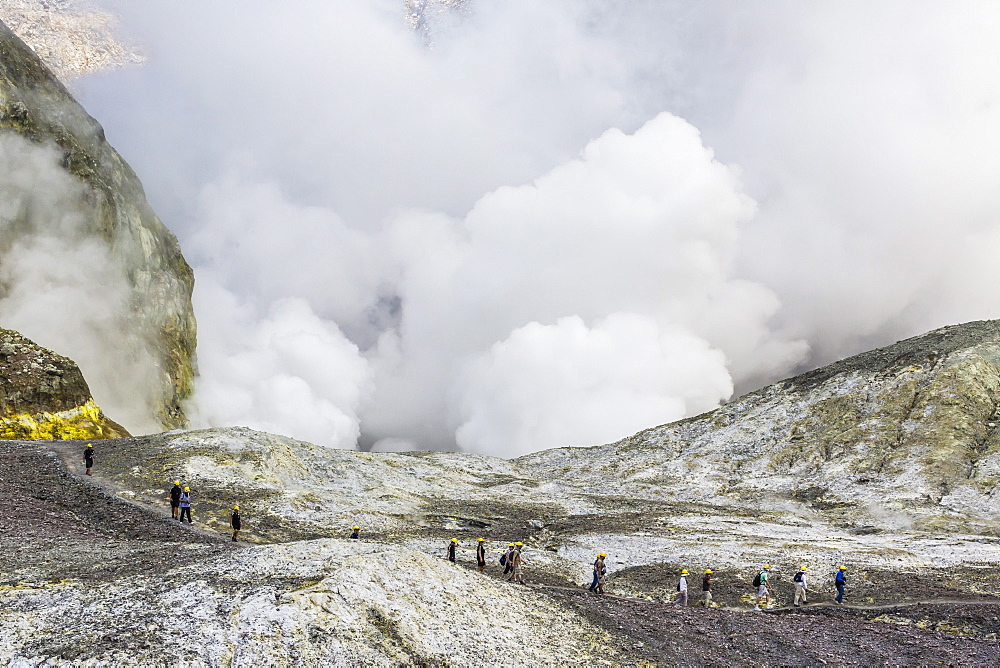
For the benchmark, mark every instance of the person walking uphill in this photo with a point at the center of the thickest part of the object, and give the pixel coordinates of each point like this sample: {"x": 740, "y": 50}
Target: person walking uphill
{"x": 841, "y": 581}
{"x": 175, "y": 500}
{"x": 235, "y": 522}
{"x": 481, "y": 555}
{"x": 356, "y": 532}
{"x": 600, "y": 571}
{"x": 186, "y": 504}
{"x": 800, "y": 587}
{"x": 451, "y": 549}
{"x": 763, "y": 592}
{"x": 706, "y": 587}
{"x": 88, "y": 457}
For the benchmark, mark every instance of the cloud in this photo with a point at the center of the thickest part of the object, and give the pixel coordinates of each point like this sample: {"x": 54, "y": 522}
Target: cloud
{"x": 591, "y": 185}
{"x": 63, "y": 287}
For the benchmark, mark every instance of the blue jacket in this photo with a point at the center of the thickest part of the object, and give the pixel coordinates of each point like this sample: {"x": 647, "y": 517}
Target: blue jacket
{"x": 840, "y": 578}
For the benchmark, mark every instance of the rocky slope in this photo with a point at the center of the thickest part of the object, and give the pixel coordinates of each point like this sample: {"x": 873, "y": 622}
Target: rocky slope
{"x": 44, "y": 395}
{"x": 159, "y": 339}
{"x": 73, "y": 37}
{"x": 713, "y": 491}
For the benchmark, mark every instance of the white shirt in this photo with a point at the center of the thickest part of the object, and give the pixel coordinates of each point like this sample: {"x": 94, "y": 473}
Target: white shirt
{"x": 683, "y": 584}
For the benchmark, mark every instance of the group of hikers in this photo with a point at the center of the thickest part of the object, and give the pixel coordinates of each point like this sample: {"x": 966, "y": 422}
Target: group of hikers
{"x": 180, "y": 508}
{"x": 761, "y": 584}
{"x": 179, "y": 497}
{"x": 513, "y": 560}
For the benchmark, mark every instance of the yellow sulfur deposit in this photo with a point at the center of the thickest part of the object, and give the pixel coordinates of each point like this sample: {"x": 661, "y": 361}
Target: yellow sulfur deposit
{"x": 80, "y": 423}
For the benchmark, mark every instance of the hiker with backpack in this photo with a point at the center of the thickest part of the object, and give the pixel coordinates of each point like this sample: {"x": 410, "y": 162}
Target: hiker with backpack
{"x": 682, "y": 588}
{"x": 800, "y": 587}
{"x": 175, "y": 500}
{"x": 452, "y": 545}
{"x": 706, "y": 587}
{"x": 505, "y": 561}
{"x": 840, "y": 580}
{"x": 185, "y": 501}
{"x": 760, "y": 582}
{"x": 88, "y": 457}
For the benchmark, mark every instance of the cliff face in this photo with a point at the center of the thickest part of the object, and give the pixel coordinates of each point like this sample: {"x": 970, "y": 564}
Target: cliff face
{"x": 159, "y": 324}
{"x": 44, "y": 395}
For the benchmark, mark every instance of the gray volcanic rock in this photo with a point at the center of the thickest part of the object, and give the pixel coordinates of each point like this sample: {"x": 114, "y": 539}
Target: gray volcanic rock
{"x": 73, "y": 37}
{"x": 157, "y": 331}
{"x": 44, "y": 395}
{"x": 909, "y": 429}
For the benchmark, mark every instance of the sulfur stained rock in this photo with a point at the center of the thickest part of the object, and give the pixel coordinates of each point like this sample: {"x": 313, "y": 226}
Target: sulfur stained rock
{"x": 43, "y": 395}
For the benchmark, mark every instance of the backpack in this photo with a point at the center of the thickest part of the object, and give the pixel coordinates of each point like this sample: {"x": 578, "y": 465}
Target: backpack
{"x": 798, "y": 577}
{"x": 756, "y": 580}
{"x": 503, "y": 559}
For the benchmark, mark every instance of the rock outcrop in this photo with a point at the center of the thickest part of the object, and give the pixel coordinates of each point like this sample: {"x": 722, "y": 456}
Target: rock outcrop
{"x": 160, "y": 327}
{"x": 709, "y": 492}
{"x": 44, "y": 396}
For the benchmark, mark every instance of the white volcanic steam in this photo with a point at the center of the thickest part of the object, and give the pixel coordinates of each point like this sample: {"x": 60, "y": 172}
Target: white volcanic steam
{"x": 60, "y": 283}
{"x": 519, "y": 237}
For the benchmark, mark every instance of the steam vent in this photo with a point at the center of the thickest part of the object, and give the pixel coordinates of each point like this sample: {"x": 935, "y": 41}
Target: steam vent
{"x": 154, "y": 332}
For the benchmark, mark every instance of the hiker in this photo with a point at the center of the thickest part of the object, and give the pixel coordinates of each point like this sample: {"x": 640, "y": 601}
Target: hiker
{"x": 763, "y": 592}
{"x": 706, "y": 587}
{"x": 841, "y": 581}
{"x": 600, "y": 570}
{"x": 481, "y": 555}
{"x": 175, "y": 500}
{"x": 235, "y": 522}
{"x": 517, "y": 560}
{"x": 682, "y": 589}
{"x": 88, "y": 457}
{"x": 356, "y": 532}
{"x": 507, "y": 560}
{"x": 185, "y": 500}
{"x": 451, "y": 549}
{"x": 800, "y": 587}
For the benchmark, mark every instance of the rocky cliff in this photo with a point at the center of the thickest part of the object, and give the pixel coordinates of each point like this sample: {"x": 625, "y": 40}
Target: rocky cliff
{"x": 44, "y": 395}
{"x": 156, "y": 330}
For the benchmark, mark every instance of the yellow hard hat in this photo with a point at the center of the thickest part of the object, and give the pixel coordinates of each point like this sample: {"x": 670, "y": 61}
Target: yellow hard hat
{"x": 803, "y": 568}
{"x": 480, "y": 539}
{"x": 177, "y": 482}
{"x": 602, "y": 554}
{"x": 356, "y": 527}
{"x": 187, "y": 489}
{"x": 518, "y": 543}
{"x": 510, "y": 544}
{"x": 684, "y": 571}
{"x": 708, "y": 570}
{"x": 90, "y": 445}
{"x": 454, "y": 540}
{"x": 768, "y": 566}
{"x": 236, "y": 507}
{"x": 843, "y": 568}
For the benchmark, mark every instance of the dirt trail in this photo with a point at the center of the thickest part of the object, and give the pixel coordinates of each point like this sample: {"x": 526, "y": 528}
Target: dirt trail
{"x": 71, "y": 455}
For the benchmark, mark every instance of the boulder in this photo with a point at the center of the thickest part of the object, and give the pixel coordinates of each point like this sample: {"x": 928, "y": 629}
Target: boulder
{"x": 43, "y": 395}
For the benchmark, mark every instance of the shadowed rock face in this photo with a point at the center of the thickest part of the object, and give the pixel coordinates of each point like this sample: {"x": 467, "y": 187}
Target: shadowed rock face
{"x": 161, "y": 325}
{"x": 44, "y": 395}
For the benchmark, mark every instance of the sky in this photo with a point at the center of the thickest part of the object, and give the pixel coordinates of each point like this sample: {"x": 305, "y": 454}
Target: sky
{"x": 528, "y": 224}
